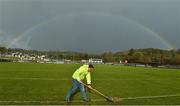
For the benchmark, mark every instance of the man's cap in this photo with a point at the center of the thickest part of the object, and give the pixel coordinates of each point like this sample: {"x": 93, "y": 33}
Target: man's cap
{"x": 91, "y": 66}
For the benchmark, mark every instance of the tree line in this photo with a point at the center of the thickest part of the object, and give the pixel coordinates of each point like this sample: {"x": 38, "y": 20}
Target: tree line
{"x": 142, "y": 56}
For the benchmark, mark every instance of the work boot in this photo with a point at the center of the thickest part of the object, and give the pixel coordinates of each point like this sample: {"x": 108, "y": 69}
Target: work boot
{"x": 67, "y": 100}
{"x": 85, "y": 100}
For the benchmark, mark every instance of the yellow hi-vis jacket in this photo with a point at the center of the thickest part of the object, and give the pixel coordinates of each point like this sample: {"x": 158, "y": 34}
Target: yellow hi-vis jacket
{"x": 81, "y": 73}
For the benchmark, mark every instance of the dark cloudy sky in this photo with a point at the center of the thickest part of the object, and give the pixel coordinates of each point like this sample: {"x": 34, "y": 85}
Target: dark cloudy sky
{"x": 90, "y": 25}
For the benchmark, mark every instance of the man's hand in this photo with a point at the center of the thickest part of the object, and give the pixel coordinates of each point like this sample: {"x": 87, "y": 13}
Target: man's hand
{"x": 89, "y": 88}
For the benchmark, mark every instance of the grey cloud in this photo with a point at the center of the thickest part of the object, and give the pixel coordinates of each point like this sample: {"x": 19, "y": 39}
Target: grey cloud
{"x": 89, "y": 25}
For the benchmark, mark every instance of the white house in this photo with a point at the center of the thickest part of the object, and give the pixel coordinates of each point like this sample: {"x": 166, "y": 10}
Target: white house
{"x": 84, "y": 61}
{"x": 47, "y": 60}
{"x": 96, "y": 61}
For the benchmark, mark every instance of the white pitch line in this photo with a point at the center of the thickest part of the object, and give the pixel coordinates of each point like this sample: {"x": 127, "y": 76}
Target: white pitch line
{"x": 34, "y": 79}
{"x": 16, "y": 101}
{"x": 151, "y": 97}
{"x": 73, "y": 101}
{"x": 71, "y": 79}
{"x": 94, "y": 100}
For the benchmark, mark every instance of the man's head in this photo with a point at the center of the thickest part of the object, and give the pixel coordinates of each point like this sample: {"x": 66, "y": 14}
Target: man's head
{"x": 91, "y": 68}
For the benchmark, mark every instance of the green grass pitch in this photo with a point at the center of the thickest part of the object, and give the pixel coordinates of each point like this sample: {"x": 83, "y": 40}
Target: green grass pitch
{"x": 30, "y": 83}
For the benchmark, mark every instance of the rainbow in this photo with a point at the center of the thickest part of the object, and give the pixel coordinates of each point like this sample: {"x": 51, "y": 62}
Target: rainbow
{"x": 17, "y": 38}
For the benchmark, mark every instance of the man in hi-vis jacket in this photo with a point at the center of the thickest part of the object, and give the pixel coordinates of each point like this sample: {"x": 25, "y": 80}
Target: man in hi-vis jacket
{"x": 80, "y": 74}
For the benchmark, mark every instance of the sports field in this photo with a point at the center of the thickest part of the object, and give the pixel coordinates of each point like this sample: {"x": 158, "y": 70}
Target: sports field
{"x": 30, "y": 83}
